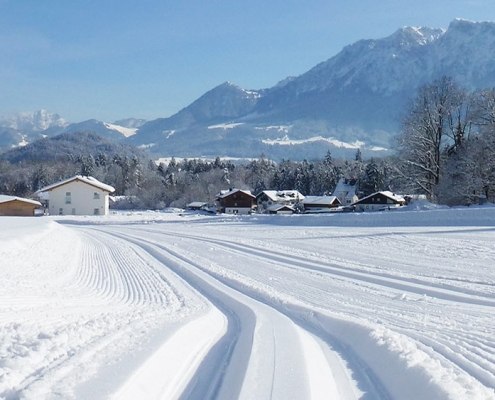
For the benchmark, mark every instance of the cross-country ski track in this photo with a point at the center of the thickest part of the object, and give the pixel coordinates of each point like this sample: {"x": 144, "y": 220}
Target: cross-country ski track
{"x": 168, "y": 306}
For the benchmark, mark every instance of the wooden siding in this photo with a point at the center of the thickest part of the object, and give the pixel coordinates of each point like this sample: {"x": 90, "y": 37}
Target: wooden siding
{"x": 16, "y": 208}
{"x": 237, "y": 199}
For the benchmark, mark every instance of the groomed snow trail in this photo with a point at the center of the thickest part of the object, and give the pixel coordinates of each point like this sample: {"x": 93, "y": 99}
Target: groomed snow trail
{"x": 266, "y": 356}
{"x": 162, "y": 306}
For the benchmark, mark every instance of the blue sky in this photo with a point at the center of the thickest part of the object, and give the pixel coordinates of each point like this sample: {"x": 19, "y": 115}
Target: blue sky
{"x": 109, "y": 59}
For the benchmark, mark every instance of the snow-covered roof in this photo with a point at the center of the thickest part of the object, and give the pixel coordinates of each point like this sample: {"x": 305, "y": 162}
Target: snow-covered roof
{"x": 227, "y": 193}
{"x": 279, "y": 207}
{"x": 346, "y": 188}
{"x": 321, "y": 200}
{"x": 5, "y": 199}
{"x": 197, "y": 204}
{"x": 282, "y": 195}
{"x": 392, "y": 196}
{"x": 86, "y": 179}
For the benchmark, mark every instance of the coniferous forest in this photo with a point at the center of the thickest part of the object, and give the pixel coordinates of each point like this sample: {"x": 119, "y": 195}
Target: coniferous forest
{"x": 445, "y": 151}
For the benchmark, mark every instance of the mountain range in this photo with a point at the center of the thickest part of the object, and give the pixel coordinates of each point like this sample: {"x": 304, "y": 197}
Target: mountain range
{"x": 353, "y": 100}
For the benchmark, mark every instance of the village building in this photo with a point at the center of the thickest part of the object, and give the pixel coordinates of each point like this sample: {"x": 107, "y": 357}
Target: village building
{"x": 197, "y": 205}
{"x": 79, "y": 195}
{"x": 235, "y": 201}
{"x": 320, "y": 204}
{"x": 380, "y": 201}
{"x": 17, "y": 206}
{"x": 346, "y": 190}
{"x": 268, "y": 198}
{"x": 281, "y": 209}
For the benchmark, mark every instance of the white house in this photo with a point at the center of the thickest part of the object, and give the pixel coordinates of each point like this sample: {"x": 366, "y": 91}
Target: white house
{"x": 268, "y": 198}
{"x": 79, "y": 195}
{"x": 346, "y": 191}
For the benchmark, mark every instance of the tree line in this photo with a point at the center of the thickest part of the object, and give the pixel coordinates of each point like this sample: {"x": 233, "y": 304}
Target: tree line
{"x": 144, "y": 184}
{"x": 445, "y": 150}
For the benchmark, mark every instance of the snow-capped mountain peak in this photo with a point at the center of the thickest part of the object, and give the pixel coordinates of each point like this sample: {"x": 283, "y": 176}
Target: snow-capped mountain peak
{"x": 409, "y": 36}
{"x": 33, "y": 121}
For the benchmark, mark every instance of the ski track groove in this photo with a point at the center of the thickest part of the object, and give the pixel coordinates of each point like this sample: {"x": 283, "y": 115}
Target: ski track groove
{"x": 469, "y": 358}
{"x": 110, "y": 273}
{"x": 167, "y": 252}
{"x": 114, "y": 270}
{"x": 345, "y": 272}
{"x": 376, "y": 389}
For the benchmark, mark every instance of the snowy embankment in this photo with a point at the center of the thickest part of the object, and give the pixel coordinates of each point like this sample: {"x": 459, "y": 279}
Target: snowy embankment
{"x": 392, "y": 305}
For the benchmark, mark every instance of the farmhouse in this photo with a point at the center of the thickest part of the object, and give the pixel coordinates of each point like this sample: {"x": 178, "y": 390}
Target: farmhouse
{"x": 268, "y": 198}
{"x": 17, "y": 206}
{"x": 319, "y": 204}
{"x": 345, "y": 191}
{"x": 380, "y": 201}
{"x": 235, "y": 201}
{"x": 79, "y": 195}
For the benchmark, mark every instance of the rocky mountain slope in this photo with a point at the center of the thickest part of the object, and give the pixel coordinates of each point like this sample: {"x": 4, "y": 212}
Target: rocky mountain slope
{"x": 353, "y": 100}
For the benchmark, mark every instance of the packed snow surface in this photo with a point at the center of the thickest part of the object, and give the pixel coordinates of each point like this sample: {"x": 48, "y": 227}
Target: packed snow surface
{"x": 387, "y": 305}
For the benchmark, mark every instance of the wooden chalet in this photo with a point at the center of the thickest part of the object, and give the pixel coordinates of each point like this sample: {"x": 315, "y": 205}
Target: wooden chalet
{"x": 236, "y": 201}
{"x": 380, "y": 201}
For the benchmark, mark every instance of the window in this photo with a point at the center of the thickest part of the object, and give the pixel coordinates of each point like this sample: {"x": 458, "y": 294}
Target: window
{"x": 67, "y": 198}
{"x": 73, "y": 211}
{"x": 96, "y": 196}
{"x": 97, "y": 211}
{"x": 60, "y": 211}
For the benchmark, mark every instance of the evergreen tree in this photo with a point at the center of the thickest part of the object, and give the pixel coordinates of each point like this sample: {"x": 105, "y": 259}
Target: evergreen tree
{"x": 372, "y": 179}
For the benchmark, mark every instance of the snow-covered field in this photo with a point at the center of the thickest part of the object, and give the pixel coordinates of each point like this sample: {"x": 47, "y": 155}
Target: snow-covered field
{"x": 392, "y": 305}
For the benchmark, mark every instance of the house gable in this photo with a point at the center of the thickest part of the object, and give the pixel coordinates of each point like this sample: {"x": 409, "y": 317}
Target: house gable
{"x": 78, "y": 196}
{"x": 236, "y": 201}
{"x": 89, "y": 180}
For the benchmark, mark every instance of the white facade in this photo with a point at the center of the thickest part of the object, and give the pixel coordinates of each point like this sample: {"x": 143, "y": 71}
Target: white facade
{"x": 269, "y": 198}
{"x": 78, "y": 196}
{"x": 346, "y": 191}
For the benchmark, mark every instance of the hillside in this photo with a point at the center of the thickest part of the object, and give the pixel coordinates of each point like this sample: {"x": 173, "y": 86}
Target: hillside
{"x": 353, "y": 100}
{"x": 61, "y": 146}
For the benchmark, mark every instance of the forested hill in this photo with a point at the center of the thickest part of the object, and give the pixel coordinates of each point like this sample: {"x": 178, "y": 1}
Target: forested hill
{"x": 71, "y": 145}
